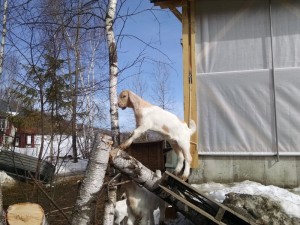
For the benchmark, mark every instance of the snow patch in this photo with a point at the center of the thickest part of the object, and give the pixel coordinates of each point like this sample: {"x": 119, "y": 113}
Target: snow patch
{"x": 289, "y": 201}
{"x": 6, "y": 180}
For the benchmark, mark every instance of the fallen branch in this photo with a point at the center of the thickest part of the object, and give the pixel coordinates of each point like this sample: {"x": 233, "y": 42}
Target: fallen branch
{"x": 55, "y": 211}
{"x": 131, "y": 167}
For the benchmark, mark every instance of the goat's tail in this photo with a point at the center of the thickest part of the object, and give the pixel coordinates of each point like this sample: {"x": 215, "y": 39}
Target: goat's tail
{"x": 192, "y": 127}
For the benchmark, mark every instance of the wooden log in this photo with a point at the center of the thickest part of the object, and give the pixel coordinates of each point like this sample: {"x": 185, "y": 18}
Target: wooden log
{"x": 131, "y": 167}
{"x": 25, "y": 214}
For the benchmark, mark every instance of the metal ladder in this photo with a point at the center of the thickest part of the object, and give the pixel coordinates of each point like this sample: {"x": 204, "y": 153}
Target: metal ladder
{"x": 196, "y": 206}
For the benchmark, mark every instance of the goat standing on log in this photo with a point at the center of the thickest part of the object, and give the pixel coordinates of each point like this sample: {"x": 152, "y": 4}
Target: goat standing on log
{"x": 151, "y": 117}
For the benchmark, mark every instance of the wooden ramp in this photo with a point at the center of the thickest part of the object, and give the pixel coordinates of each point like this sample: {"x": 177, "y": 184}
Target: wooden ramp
{"x": 196, "y": 206}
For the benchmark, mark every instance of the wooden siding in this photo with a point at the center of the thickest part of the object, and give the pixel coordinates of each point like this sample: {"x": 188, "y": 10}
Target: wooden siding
{"x": 150, "y": 154}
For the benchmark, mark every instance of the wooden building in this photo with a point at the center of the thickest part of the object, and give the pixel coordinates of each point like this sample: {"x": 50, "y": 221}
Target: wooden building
{"x": 151, "y": 154}
{"x": 241, "y": 85}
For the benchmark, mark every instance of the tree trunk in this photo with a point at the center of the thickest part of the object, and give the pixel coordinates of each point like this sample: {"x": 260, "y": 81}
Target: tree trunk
{"x": 26, "y": 213}
{"x": 84, "y": 208}
{"x": 42, "y": 113}
{"x": 113, "y": 71}
{"x": 113, "y": 97}
{"x": 75, "y": 94}
{"x": 2, "y": 215}
{"x": 4, "y": 31}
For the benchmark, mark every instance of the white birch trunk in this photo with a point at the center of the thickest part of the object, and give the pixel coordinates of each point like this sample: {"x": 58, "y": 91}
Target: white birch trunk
{"x": 113, "y": 97}
{"x": 113, "y": 70}
{"x": 4, "y": 31}
{"x": 84, "y": 209}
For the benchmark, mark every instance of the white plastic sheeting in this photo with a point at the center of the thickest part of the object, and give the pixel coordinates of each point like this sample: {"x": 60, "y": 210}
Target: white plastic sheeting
{"x": 236, "y": 103}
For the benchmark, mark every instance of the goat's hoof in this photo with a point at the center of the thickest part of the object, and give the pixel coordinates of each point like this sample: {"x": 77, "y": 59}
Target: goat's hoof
{"x": 184, "y": 178}
{"x": 123, "y": 146}
{"x": 176, "y": 173}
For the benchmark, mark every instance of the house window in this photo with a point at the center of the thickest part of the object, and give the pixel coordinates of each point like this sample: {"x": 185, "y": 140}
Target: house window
{"x": 17, "y": 141}
{"x": 28, "y": 139}
{"x": 3, "y": 124}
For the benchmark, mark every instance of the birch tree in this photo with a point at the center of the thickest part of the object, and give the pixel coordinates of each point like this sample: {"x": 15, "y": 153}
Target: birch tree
{"x": 113, "y": 80}
{"x": 84, "y": 209}
{"x": 113, "y": 70}
{"x": 5, "y": 6}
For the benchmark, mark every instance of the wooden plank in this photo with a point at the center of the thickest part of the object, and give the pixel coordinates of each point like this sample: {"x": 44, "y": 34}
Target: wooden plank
{"x": 213, "y": 202}
{"x": 190, "y": 205}
{"x": 167, "y": 3}
{"x": 176, "y": 12}
{"x": 189, "y": 68}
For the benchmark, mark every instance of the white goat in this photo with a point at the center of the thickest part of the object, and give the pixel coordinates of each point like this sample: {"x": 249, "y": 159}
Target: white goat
{"x": 121, "y": 211}
{"x": 151, "y": 117}
{"x": 141, "y": 204}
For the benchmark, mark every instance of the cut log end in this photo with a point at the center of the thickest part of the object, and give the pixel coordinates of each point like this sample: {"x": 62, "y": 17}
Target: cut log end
{"x": 25, "y": 213}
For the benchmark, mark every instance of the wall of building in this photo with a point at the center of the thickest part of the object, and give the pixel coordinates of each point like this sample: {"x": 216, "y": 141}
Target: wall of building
{"x": 263, "y": 169}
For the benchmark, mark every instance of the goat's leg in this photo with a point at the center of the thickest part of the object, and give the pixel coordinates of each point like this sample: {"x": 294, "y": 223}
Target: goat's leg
{"x": 136, "y": 134}
{"x": 151, "y": 217}
{"x": 162, "y": 209}
{"x": 146, "y": 217}
{"x": 180, "y": 157}
{"x": 179, "y": 165}
{"x": 130, "y": 219}
{"x": 187, "y": 159}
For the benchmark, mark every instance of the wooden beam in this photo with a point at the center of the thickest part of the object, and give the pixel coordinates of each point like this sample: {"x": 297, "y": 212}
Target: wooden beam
{"x": 168, "y": 3}
{"x": 176, "y": 12}
{"x": 189, "y": 73}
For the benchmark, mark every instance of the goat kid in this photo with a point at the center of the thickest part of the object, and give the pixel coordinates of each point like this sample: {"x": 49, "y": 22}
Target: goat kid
{"x": 141, "y": 204}
{"x": 121, "y": 211}
{"x": 151, "y": 117}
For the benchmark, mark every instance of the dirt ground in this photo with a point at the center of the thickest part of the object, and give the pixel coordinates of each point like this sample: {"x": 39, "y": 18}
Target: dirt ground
{"x": 63, "y": 192}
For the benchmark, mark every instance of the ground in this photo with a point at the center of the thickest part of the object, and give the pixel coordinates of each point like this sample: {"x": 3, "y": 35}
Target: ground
{"x": 64, "y": 193}
{"x": 249, "y": 194}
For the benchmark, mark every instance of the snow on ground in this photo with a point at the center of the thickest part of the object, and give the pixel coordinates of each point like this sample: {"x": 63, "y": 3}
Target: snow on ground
{"x": 61, "y": 143}
{"x": 289, "y": 201}
{"x": 6, "y": 180}
{"x": 65, "y": 166}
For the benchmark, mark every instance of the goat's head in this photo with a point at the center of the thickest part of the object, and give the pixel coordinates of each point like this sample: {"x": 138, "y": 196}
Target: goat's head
{"x": 124, "y": 100}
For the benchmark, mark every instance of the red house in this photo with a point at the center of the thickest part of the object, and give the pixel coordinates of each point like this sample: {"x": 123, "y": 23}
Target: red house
{"x": 11, "y": 135}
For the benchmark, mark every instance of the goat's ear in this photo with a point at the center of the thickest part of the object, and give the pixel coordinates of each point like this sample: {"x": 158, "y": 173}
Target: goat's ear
{"x": 133, "y": 99}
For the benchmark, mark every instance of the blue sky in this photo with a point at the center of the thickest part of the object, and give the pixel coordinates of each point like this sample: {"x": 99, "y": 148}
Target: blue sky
{"x": 164, "y": 32}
